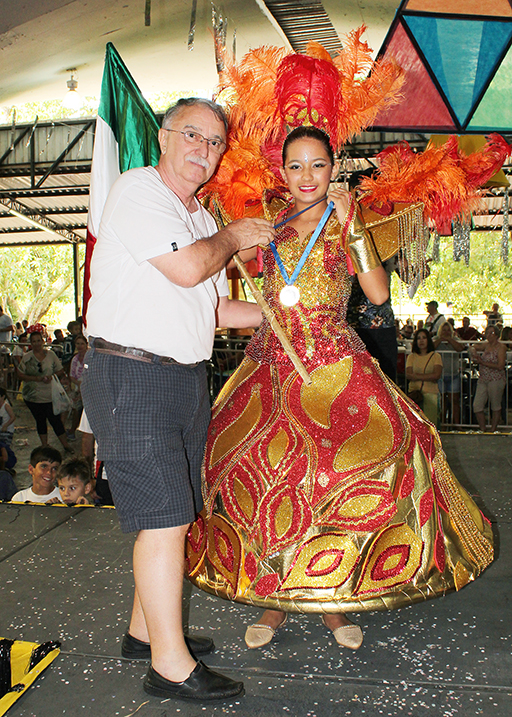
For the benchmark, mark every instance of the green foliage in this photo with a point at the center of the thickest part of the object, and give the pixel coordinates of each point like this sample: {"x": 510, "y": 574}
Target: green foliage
{"x": 50, "y": 110}
{"x": 37, "y": 282}
{"x": 471, "y": 288}
{"x": 57, "y": 110}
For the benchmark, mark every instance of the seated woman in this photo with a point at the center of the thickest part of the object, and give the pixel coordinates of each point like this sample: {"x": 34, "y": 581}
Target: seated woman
{"x": 490, "y": 355}
{"x": 449, "y": 383}
{"x": 333, "y": 497}
{"x": 423, "y": 370}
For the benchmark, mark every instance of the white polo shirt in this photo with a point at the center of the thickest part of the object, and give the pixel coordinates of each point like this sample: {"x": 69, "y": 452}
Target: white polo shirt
{"x": 132, "y": 303}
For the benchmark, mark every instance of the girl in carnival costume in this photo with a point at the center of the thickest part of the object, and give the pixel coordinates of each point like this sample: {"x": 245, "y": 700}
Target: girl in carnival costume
{"x": 333, "y": 497}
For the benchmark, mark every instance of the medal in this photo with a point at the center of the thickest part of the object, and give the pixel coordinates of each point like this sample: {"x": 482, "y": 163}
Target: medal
{"x": 289, "y": 295}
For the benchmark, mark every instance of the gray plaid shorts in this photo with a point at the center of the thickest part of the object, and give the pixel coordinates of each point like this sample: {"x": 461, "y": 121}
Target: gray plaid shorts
{"x": 150, "y": 421}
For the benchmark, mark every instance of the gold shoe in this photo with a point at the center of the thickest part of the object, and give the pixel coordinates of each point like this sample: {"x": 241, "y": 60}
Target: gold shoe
{"x": 350, "y": 636}
{"x": 258, "y": 635}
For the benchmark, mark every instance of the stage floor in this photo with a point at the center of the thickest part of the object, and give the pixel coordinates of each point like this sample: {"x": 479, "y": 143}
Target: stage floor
{"x": 65, "y": 575}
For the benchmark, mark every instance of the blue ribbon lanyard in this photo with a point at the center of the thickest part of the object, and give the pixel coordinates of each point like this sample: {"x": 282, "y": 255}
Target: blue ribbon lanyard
{"x": 307, "y": 251}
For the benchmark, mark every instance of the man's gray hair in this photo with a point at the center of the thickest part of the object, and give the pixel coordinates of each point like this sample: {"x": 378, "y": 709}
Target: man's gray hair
{"x": 173, "y": 110}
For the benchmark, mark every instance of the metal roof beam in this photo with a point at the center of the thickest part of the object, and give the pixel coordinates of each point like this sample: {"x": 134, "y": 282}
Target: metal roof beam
{"x": 65, "y": 152}
{"x": 25, "y": 171}
{"x": 14, "y": 144}
{"x": 37, "y": 220}
{"x": 71, "y": 191}
{"x": 23, "y": 230}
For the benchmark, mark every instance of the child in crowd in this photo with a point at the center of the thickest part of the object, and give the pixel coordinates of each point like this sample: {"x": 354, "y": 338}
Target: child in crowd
{"x": 76, "y": 370}
{"x": 44, "y": 463}
{"x": 75, "y": 482}
{"x": 7, "y": 419}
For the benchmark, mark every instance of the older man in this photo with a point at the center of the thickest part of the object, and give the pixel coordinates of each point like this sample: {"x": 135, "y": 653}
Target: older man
{"x": 158, "y": 288}
{"x": 434, "y": 319}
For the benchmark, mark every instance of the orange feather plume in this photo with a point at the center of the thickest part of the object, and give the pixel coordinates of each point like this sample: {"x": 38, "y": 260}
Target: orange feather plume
{"x": 367, "y": 86}
{"x": 443, "y": 178}
{"x": 270, "y": 89}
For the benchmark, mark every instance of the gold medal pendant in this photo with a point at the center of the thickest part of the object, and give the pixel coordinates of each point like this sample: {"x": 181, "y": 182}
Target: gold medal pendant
{"x": 289, "y": 295}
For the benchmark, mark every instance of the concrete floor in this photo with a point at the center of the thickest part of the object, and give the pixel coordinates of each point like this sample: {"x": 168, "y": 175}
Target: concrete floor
{"x": 65, "y": 574}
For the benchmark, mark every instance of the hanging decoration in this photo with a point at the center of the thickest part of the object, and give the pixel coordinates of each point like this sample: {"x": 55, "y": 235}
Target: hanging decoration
{"x": 147, "y": 13}
{"x": 436, "y": 256}
{"x": 461, "y": 239}
{"x": 220, "y": 29}
{"x": 13, "y": 127}
{"x": 457, "y": 63}
{"x": 192, "y": 29}
{"x": 506, "y": 227}
{"x": 29, "y": 139}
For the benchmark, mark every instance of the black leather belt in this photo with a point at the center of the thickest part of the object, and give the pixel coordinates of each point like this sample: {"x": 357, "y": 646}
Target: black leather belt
{"x": 106, "y": 347}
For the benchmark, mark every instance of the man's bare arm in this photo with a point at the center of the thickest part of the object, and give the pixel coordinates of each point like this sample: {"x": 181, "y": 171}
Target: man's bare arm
{"x": 234, "y": 314}
{"x": 195, "y": 263}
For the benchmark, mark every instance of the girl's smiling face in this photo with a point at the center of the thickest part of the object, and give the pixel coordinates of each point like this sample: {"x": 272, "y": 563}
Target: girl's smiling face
{"x": 307, "y": 170}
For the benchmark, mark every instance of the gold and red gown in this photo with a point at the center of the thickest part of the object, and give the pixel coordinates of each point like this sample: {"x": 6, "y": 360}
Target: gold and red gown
{"x": 335, "y": 496}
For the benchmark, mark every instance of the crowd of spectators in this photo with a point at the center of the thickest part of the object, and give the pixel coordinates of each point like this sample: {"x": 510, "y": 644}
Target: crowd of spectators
{"x": 464, "y": 352}
{"x": 434, "y": 356}
{"x": 33, "y": 360}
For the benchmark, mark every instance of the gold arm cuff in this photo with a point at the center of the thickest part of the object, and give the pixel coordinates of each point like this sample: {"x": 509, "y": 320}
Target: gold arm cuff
{"x": 361, "y": 247}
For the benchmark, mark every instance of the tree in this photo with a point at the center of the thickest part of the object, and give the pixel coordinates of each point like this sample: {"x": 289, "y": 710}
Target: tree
{"x": 36, "y": 281}
{"x": 471, "y": 288}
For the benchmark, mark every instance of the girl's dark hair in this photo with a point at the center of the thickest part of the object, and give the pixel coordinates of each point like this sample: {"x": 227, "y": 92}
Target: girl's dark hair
{"x": 430, "y": 343}
{"x": 307, "y": 132}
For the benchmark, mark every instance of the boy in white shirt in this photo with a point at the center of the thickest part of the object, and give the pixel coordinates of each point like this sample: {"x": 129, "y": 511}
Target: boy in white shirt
{"x": 44, "y": 463}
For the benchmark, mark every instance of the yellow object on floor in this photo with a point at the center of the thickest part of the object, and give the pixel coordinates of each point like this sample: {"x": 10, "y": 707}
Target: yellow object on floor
{"x": 20, "y": 664}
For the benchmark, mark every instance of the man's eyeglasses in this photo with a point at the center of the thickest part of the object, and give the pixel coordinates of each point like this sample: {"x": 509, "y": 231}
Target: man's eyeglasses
{"x": 196, "y": 139}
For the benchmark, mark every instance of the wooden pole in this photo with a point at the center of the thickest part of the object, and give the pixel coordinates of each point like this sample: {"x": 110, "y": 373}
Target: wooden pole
{"x": 274, "y": 323}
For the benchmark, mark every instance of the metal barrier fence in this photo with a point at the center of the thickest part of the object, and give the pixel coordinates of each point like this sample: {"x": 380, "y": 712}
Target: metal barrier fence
{"x": 457, "y": 384}
{"x": 456, "y": 393}
{"x": 457, "y": 387}
{"x": 227, "y": 355}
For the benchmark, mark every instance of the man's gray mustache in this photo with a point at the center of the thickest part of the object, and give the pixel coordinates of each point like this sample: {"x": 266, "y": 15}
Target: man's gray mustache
{"x": 200, "y": 160}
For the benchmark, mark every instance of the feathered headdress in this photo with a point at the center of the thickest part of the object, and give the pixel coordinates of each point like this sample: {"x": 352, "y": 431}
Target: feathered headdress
{"x": 270, "y": 91}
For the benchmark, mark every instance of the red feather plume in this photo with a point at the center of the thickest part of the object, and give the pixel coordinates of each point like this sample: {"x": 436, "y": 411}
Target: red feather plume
{"x": 308, "y": 93}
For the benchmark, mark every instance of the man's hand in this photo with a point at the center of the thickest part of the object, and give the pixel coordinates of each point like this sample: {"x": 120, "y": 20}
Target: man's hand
{"x": 197, "y": 262}
{"x": 250, "y": 232}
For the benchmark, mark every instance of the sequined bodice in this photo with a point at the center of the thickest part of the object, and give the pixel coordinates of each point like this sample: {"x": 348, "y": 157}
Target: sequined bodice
{"x": 317, "y": 324}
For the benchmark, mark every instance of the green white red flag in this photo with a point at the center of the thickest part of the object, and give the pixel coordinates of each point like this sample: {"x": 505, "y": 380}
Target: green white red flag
{"x": 126, "y": 137}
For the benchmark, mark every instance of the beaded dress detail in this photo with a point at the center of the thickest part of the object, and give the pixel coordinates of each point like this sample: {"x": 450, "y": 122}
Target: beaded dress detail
{"x": 334, "y": 496}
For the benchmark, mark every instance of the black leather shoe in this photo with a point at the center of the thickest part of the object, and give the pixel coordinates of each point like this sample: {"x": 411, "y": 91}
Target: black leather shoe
{"x": 203, "y": 685}
{"x": 134, "y": 649}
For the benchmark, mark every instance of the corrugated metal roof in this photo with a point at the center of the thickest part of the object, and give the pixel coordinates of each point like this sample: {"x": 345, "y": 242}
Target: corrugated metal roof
{"x": 60, "y": 199}
{"x": 305, "y": 20}
{"x": 44, "y": 182}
